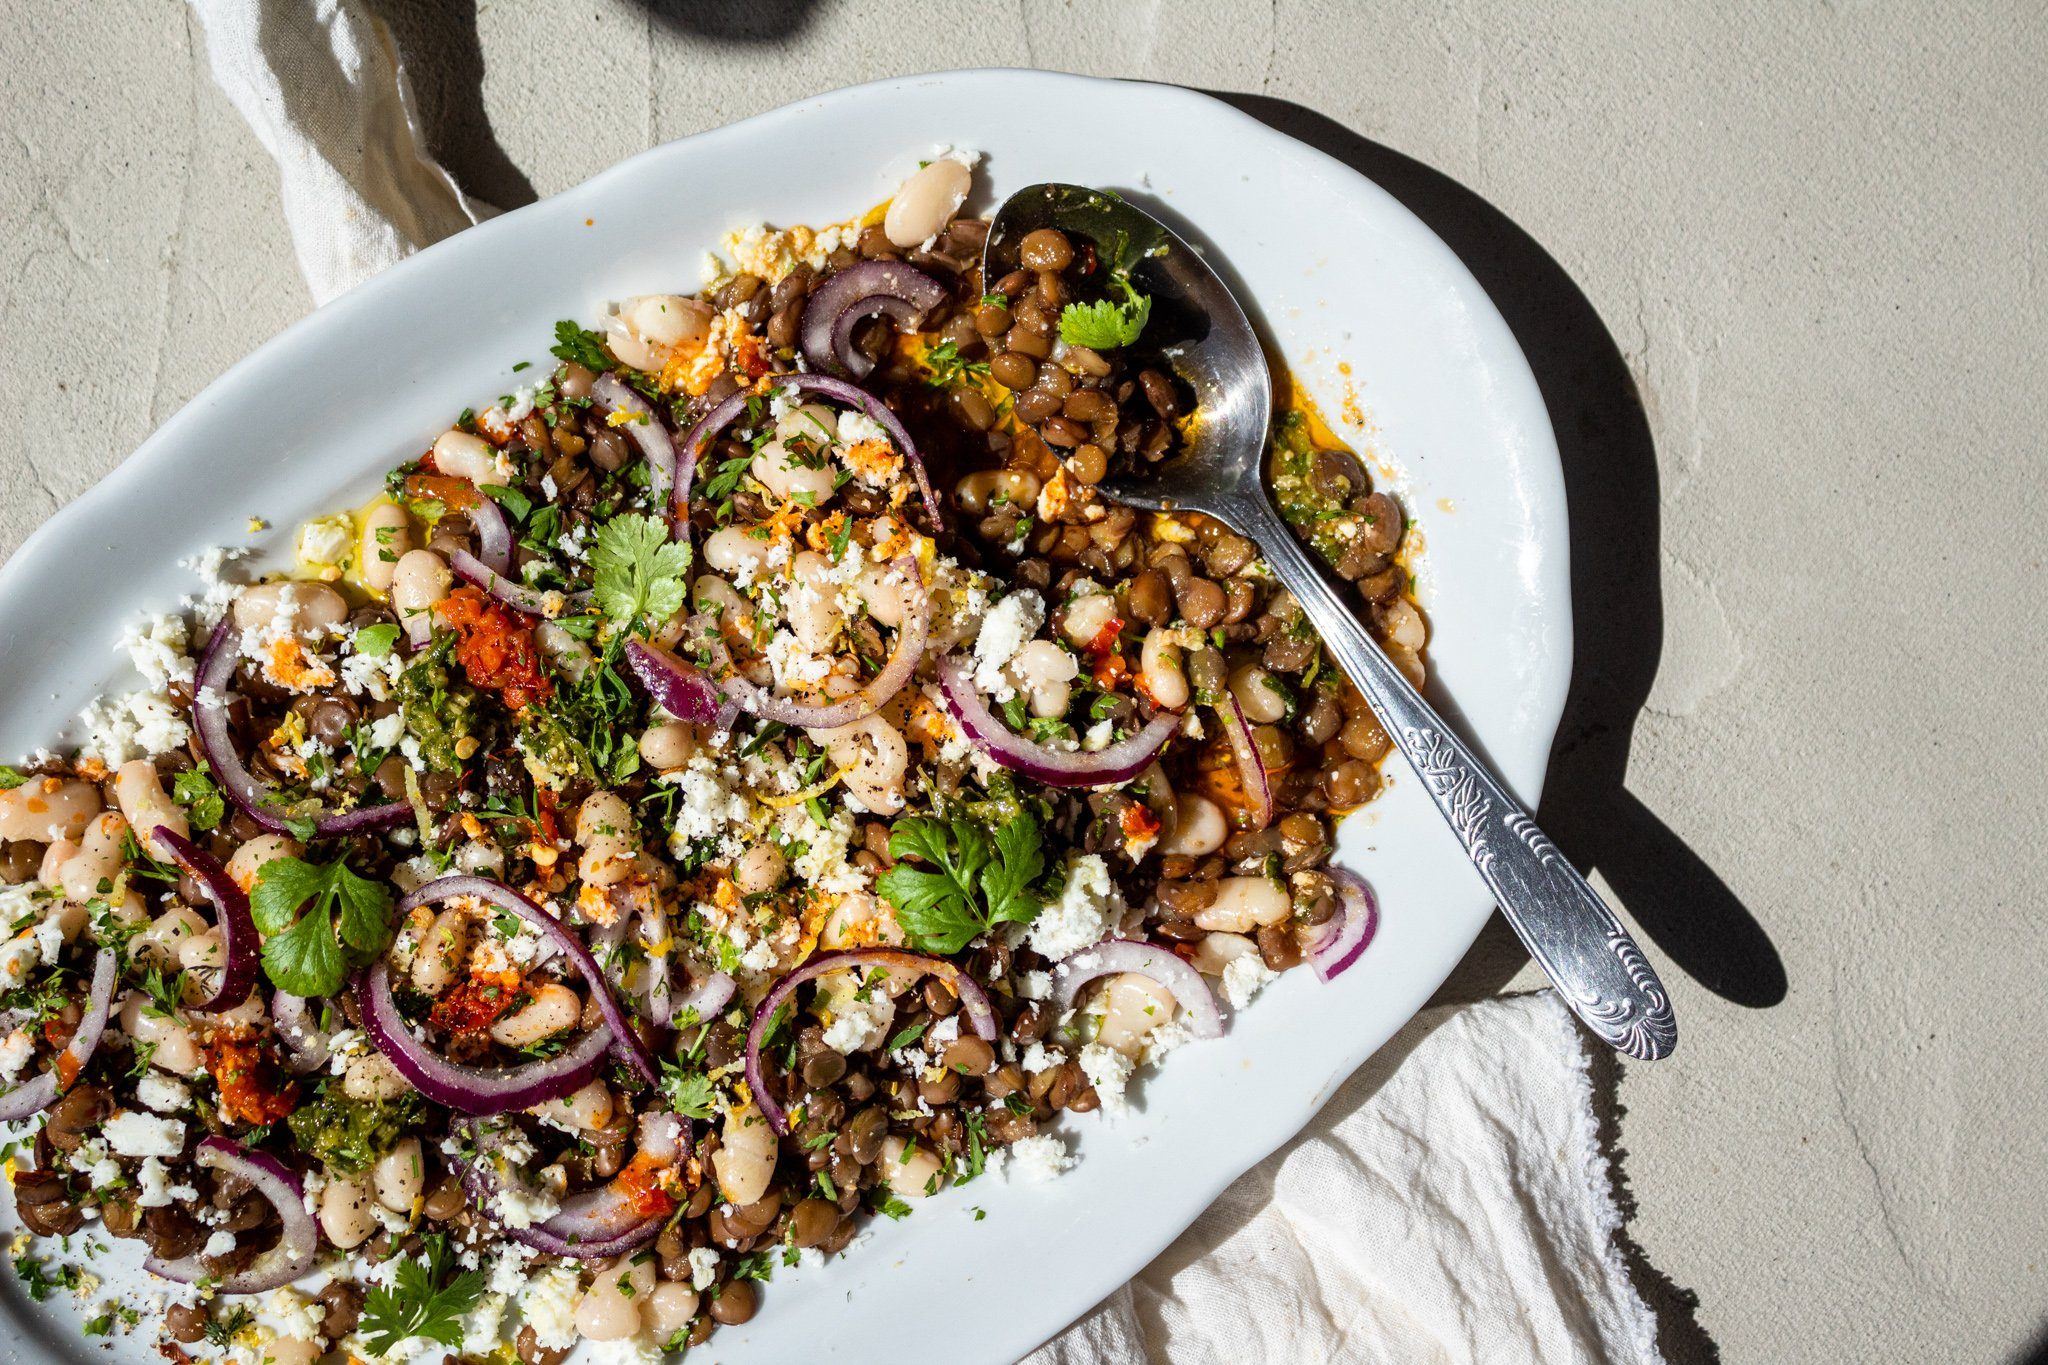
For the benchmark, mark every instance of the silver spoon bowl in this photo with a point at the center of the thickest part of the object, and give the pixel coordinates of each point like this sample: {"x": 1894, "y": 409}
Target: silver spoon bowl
{"x": 1197, "y": 327}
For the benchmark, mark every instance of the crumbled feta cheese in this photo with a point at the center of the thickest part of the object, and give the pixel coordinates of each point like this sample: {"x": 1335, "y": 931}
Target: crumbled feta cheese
{"x": 856, "y": 426}
{"x": 219, "y": 591}
{"x": 508, "y": 1272}
{"x": 1109, "y": 1071}
{"x": 220, "y": 1244}
{"x": 1034, "y": 985}
{"x": 1088, "y": 906}
{"x": 859, "y": 1025}
{"x": 386, "y": 730}
{"x": 133, "y": 1134}
{"x": 17, "y": 956}
{"x": 825, "y": 864}
{"x": 326, "y": 542}
{"x": 162, "y": 1093}
{"x": 1008, "y": 625}
{"x": 1243, "y": 977}
{"x": 708, "y": 805}
{"x": 157, "y": 649}
{"x": 14, "y": 1054}
{"x": 548, "y": 1303}
{"x": 136, "y": 725}
{"x": 154, "y": 1183}
{"x": 373, "y": 677}
{"x": 1040, "y": 1157}
{"x": 703, "y": 1268}
{"x": 1039, "y": 1057}
{"x": 480, "y": 1326}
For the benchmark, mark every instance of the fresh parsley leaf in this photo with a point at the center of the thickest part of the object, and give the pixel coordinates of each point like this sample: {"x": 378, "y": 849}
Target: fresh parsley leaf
{"x": 511, "y": 499}
{"x": 342, "y": 920}
{"x": 689, "y": 1093}
{"x": 979, "y": 882}
{"x": 946, "y": 368}
{"x": 376, "y": 641}
{"x": 905, "y": 1037}
{"x": 419, "y": 1303}
{"x": 194, "y": 790}
{"x": 1104, "y": 325}
{"x": 580, "y": 346}
{"x": 641, "y": 576}
{"x": 10, "y": 778}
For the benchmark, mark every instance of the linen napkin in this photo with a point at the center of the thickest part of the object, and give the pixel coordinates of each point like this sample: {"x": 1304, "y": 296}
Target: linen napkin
{"x": 1451, "y": 1203}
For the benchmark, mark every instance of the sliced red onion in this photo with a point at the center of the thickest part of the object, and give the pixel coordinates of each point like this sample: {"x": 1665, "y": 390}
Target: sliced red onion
{"x": 973, "y": 999}
{"x": 682, "y": 689}
{"x": 627, "y": 1042}
{"x": 1120, "y": 762}
{"x": 712, "y": 994}
{"x": 297, "y": 1246}
{"x": 661, "y": 991}
{"x": 853, "y": 396}
{"x": 611, "y": 394}
{"x": 472, "y": 1089}
{"x": 899, "y": 290}
{"x": 544, "y": 603}
{"x": 212, "y": 689}
{"x": 238, "y": 938}
{"x": 811, "y": 715}
{"x": 493, "y": 534}
{"x": 1116, "y": 955}
{"x": 696, "y": 441}
{"x": 1344, "y": 936}
{"x": 596, "y": 1224}
{"x": 1258, "y": 787}
{"x": 36, "y": 1094}
{"x": 307, "y": 1046}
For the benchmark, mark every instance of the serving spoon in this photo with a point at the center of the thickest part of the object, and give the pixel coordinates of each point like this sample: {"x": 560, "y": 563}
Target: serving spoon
{"x": 1199, "y": 328}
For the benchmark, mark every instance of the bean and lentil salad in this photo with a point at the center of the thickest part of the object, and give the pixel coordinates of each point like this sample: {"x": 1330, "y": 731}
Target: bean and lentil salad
{"x": 738, "y": 784}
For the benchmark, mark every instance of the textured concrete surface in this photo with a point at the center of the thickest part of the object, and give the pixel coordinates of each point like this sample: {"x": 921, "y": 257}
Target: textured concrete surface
{"x": 1809, "y": 563}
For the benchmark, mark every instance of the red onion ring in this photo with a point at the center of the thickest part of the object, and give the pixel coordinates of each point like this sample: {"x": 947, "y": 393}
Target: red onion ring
{"x": 611, "y": 394}
{"x": 714, "y": 423}
{"x": 1345, "y": 936}
{"x": 973, "y": 999}
{"x": 596, "y": 1224}
{"x": 910, "y": 642}
{"x": 493, "y": 534}
{"x": 217, "y": 742}
{"x": 518, "y": 596}
{"x": 712, "y": 994}
{"x": 38, "y": 1092}
{"x": 1258, "y": 787}
{"x": 1116, "y": 955}
{"x": 238, "y": 937}
{"x": 849, "y": 297}
{"x": 681, "y": 689}
{"x": 472, "y": 1089}
{"x": 626, "y": 1041}
{"x": 1120, "y": 762}
{"x": 296, "y": 1248}
{"x": 306, "y": 1044}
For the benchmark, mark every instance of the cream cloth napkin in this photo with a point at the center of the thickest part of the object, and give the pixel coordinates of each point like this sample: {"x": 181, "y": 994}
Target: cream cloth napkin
{"x": 1451, "y": 1203}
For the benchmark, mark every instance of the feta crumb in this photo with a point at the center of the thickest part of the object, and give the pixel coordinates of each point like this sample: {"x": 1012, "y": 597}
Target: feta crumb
{"x": 1243, "y": 977}
{"x": 1109, "y": 1071}
{"x": 1088, "y": 906}
{"x": 220, "y": 1244}
{"x": 859, "y": 1025}
{"x": 1008, "y": 625}
{"x": 703, "y": 1268}
{"x": 1040, "y": 1157}
{"x": 548, "y": 1303}
{"x": 133, "y": 1134}
{"x": 162, "y": 1093}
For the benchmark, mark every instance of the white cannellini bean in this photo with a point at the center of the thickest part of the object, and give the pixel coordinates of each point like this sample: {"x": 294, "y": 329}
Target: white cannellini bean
{"x": 886, "y": 592}
{"x": 444, "y": 948}
{"x": 345, "y": 1213}
{"x": 668, "y": 319}
{"x": 580, "y": 1111}
{"x": 400, "y": 1176}
{"x": 91, "y": 871}
{"x": 373, "y": 1077}
{"x": 760, "y": 869}
{"x": 914, "y": 1178}
{"x": 604, "y": 830}
{"x": 166, "y": 935}
{"x": 314, "y": 608}
{"x": 1199, "y": 828}
{"x": 248, "y": 861}
{"x": 1088, "y": 617}
{"x": 668, "y": 1309}
{"x": 985, "y": 488}
{"x": 876, "y": 759}
{"x": 563, "y": 649}
{"x": 291, "y": 1351}
{"x": 1243, "y": 904}
{"x": 668, "y": 747}
{"x": 460, "y": 455}
{"x": 386, "y": 538}
{"x": 1403, "y": 625}
{"x": 1160, "y": 670}
{"x": 420, "y": 579}
{"x": 46, "y": 809}
{"x": 554, "y": 1007}
{"x": 610, "y": 1309}
{"x": 481, "y": 859}
{"x": 1217, "y": 951}
{"x": 1256, "y": 696}
{"x": 722, "y": 601}
{"x": 50, "y": 872}
{"x": 810, "y": 603}
{"x": 927, "y": 202}
{"x": 745, "y": 1159}
{"x": 1135, "y": 1005}
{"x": 730, "y": 549}
{"x": 175, "y": 1051}
{"x": 1044, "y": 671}
{"x": 250, "y": 1014}
{"x": 858, "y": 920}
{"x": 795, "y": 463}
{"x": 202, "y": 949}
{"x": 139, "y": 791}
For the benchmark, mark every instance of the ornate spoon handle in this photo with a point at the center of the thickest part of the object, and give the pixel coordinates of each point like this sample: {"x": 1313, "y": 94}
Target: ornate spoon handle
{"x": 1563, "y": 922}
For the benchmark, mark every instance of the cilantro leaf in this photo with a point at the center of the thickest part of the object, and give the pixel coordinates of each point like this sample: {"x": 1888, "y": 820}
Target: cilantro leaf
{"x": 641, "y": 576}
{"x": 10, "y": 778}
{"x": 418, "y": 1304}
{"x": 374, "y": 642}
{"x": 307, "y": 950}
{"x": 689, "y": 1093}
{"x": 580, "y": 346}
{"x": 511, "y": 499}
{"x": 1104, "y": 325}
{"x": 194, "y": 790}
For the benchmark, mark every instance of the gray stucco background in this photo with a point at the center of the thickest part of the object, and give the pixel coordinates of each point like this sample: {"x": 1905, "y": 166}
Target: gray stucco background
{"x": 1808, "y": 568}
